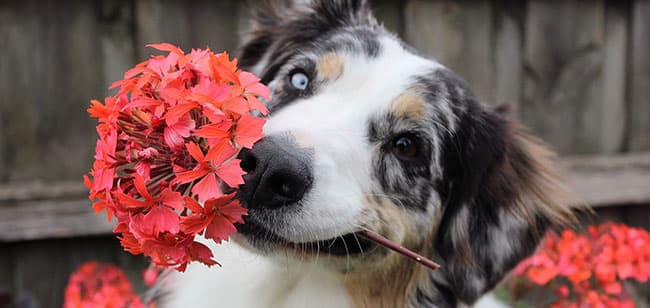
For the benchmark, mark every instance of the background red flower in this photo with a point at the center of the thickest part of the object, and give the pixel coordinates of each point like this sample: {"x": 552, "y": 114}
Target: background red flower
{"x": 588, "y": 269}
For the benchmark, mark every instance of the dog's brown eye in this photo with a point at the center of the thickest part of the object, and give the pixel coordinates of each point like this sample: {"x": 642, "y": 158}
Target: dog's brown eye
{"x": 405, "y": 146}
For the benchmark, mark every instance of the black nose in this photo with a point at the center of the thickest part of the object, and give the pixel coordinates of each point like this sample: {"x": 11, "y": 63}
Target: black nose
{"x": 279, "y": 173}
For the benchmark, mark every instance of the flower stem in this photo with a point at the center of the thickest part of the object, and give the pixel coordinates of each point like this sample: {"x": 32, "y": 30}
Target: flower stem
{"x": 399, "y": 249}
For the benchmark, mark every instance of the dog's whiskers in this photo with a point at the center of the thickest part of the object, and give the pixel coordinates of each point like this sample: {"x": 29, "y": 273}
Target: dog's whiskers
{"x": 359, "y": 244}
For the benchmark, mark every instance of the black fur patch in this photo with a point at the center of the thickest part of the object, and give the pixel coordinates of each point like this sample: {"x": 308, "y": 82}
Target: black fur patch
{"x": 470, "y": 166}
{"x": 443, "y": 298}
{"x": 474, "y": 189}
{"x": 407, "y": 181}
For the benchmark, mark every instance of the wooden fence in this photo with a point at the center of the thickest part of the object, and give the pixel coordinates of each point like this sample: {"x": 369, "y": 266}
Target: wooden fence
{"x": 577, "y": 72}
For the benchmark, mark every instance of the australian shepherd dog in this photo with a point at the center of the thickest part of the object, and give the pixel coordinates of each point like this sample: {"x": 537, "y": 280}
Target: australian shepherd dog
{"x": 365, "y": 133}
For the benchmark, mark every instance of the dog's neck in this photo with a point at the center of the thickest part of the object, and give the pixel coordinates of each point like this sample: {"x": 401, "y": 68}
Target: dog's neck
{"x": 394, "y": 282}
{"x": 247, "y": 279}
{"x": 250, "y": 280}
{"x": 393, "y": 286}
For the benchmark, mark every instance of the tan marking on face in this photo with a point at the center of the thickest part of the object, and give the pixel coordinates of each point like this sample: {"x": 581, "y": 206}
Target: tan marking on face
{"x": 409, "y": 105}
{"x": 330, "y": 66}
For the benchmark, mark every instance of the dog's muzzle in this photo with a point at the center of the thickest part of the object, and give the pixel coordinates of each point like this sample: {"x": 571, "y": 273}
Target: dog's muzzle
{"x": 279, "y": 174}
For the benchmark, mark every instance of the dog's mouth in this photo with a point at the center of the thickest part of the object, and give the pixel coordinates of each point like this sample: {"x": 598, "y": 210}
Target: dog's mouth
{"x": 344, "y": 245}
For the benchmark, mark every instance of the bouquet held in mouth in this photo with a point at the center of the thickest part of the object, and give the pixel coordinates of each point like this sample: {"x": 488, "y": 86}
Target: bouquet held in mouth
{"x": 166, "y": 153}
{"x": 166, "y": 162}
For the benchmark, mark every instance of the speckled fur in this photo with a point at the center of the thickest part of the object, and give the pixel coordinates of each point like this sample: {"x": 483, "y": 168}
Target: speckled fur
{"x": 477, "y": 198}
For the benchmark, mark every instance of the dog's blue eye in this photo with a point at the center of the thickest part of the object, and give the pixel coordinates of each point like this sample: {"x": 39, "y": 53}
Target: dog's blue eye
{"x": 299, "y": 80}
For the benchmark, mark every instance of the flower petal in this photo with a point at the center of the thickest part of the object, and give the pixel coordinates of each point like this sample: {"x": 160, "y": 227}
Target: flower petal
{"x": 249, "y": 130}
{"x": 231, "y": 173}
{"x": 220, "y": 152}
{"x": 167, "y": 47}
{"x": 172, "y": 199}
{"x": 219, "y": 229}
{"x": 207, "y": 188}
{"x": 189, "y": 176}
{"x": 162, "y": 219}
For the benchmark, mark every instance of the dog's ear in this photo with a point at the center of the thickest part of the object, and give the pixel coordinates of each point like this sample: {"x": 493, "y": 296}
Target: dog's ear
{"x": 500, "y": 193}
{"x": 284, "y": 24}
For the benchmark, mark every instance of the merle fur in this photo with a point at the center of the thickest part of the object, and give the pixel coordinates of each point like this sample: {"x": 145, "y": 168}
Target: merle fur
{"x": 476, "y": 161}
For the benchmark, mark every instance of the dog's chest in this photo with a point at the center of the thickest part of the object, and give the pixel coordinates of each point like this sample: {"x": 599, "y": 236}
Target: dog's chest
{"x": 249, "y": 280}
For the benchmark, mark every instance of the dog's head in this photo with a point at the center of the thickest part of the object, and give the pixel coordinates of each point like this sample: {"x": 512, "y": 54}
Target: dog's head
{"x": 366, "y": 134}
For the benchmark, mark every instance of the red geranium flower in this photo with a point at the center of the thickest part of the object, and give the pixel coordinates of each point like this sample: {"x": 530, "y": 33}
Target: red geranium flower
{"x": 587, "y": 270}
{"x": 167, "y": 142}
{"x": 217, "y": 217}
{"x": 210, "y": 167}
{"x": 101, "y": 285}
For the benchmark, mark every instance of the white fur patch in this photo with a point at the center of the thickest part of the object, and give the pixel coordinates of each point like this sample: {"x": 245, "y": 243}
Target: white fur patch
{"x": 333, "y": 123}
{"x": 250, "y": 280}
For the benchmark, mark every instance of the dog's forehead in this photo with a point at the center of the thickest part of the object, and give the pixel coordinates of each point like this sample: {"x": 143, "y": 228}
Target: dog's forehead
{"x": 384, "y": 75}
{"x": 354, "y": 81}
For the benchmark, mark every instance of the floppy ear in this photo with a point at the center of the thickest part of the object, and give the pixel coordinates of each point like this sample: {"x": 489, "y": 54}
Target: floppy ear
{"x": 500, "y": 193}
{"x": 283, "y": 24}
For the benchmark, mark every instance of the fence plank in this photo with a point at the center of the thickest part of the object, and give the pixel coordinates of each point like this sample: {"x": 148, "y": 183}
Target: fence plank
{"x": 563, "y": 68}
{"x": 53, "y": 66}
{"x": 42, "y": 268}
{"x": 639, "y": 111}
{"x": 508, "y": 45}
{"x": 459, "y": 34}
{"x": 610, "y": 180}
{"x": 194, "y": 24}
{"x": 6, "y": 268}
{"x": 612, "y": 117}
{"x": 50, "y": 72}
{"x": 39, "y": 190}
{"x": 115, "y": 17}
{"x": 50, "y": 219}
{"x": 243, "y": 19}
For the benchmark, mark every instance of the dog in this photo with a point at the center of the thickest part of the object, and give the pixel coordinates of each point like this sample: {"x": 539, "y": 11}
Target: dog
{"x": 366, "y": 134}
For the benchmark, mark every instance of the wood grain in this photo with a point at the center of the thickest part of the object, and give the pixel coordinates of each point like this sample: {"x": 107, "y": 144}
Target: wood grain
{"x": 459, "y": 34}
{"x": 195, "y": 24}
{"x": 563, "y": 73}
{"x": 51, "y": 66}
{"x": 115, "y": 18}
{"x": 42, "y": 268}
{"x": 508, "y": 52}
{"x": 6, "y": 268}
{"x": 40, "y": 190}
{"x": 639, "y": 109}
{"x": 610, "y": 180}
{"x": 612, "y": 117}
{"x": 29, "y": 220}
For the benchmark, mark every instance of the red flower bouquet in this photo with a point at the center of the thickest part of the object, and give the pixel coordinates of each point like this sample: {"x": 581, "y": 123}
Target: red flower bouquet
{"x": 165, "y": 156}
{"x": 587, "y": 270}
